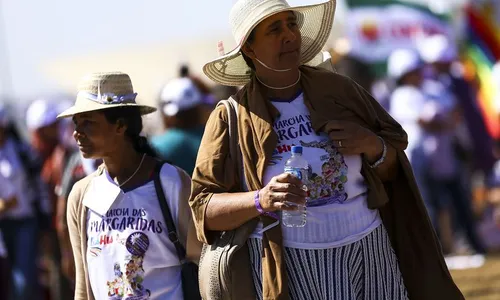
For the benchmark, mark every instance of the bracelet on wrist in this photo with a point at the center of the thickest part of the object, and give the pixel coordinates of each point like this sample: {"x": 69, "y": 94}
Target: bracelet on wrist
{"x": 260, "y": 209}
{"x": 384, "y": 154}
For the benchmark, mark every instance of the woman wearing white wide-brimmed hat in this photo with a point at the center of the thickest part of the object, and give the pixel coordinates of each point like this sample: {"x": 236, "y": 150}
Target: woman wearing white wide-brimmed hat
{"x": 367, "y": 234}
{"x": 128, "y": 221}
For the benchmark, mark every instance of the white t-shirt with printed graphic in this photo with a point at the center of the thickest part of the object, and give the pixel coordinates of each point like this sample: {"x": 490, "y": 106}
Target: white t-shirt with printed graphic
{"x": 129, "y": 254}
{"x": 337, "y": 212}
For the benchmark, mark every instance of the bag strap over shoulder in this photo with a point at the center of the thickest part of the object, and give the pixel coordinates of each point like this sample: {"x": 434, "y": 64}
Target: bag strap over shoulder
{"x": 167, "y": 216}
{"x": 232, "y": 116}
{"x": 234, "y": 147}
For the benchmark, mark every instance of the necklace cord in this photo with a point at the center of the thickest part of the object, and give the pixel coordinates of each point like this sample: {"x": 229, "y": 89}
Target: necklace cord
{"x": 136, "y": 170}
{"x": 279, "y": 88}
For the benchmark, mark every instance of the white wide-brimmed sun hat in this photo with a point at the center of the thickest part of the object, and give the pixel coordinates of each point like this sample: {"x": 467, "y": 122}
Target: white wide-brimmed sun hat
{"x": 315, "y": 23}
{"x": 98, "y": 91}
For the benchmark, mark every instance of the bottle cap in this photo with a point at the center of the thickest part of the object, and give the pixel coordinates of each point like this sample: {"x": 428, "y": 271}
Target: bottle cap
{"x": 296, "y": 149}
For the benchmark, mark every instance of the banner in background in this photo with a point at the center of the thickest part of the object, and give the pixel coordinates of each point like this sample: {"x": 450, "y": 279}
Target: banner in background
{"x": 376, "y": 28}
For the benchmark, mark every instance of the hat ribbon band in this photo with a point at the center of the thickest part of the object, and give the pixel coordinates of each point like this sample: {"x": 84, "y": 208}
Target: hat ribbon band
{"x": 109, "y": 98}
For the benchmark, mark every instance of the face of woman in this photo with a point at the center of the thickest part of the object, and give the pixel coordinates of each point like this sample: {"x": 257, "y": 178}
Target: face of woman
{"x": 276, "y": 42}
{"x": 95, "y": 136}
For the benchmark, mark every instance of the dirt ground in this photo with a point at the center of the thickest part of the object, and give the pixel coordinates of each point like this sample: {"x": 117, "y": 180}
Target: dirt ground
{"x": 481, "y": 283}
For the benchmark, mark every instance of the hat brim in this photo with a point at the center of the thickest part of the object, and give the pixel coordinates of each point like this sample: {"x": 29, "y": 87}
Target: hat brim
{"x": 84, "y": 106}
{"x": 232, "y": 70}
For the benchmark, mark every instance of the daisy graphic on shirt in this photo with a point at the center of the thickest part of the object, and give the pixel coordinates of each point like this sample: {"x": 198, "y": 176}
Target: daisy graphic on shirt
{"x": 129, "y": 284}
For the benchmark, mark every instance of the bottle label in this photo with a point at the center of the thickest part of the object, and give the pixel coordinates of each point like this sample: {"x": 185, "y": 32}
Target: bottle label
{"x": 295, "y": 172}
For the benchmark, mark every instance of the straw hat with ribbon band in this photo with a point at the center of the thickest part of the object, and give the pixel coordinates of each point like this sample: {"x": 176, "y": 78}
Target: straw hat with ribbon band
{"x": 315, "y": 23}
{"x": 99, "y": 91}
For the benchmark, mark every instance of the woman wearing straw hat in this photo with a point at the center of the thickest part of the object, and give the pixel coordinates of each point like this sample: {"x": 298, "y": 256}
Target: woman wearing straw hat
{"x": 367, "y": 234}
{"x": 118, "y": 232}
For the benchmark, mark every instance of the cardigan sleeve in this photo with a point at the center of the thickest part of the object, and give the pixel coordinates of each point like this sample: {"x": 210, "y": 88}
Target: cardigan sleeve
{"x": 74, "y": 227}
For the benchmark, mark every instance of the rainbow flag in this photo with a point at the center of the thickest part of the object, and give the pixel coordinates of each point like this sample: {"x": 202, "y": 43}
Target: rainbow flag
{"x": 483, "y": 51}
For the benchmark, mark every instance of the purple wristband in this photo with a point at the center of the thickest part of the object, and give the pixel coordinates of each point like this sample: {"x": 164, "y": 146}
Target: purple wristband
{"x": 260, "y": 209}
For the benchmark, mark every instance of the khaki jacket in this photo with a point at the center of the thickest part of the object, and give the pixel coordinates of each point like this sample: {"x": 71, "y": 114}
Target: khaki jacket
{"x": 328, "y": 96}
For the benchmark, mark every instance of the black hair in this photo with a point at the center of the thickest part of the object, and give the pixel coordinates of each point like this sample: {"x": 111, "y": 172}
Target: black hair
{"x": 248, "y": 60}
{"x": 131, "y": 116}
{"x": 184, "y": 71}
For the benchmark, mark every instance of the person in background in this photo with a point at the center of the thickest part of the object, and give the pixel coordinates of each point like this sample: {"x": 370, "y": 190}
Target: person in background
{"x": 208, "y": 100}
{"x": 180, "y": 102}
{"x": 427, "y": 112}
{"x": 7, "y": 201}
{"x": 19, "y": 220}
{"x": 442, "y": 55}
{"x": 184, "y": 72}
{"x": 46, "y": 135}
{"x": 445, "y": 172}
{"x": 467, "y": 142}
{"x": 405, "y": 70}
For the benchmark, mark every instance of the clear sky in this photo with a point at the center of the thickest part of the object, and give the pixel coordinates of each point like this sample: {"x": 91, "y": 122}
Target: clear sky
{"x": 33, "y": 33}
{"x": 40, "y": 31}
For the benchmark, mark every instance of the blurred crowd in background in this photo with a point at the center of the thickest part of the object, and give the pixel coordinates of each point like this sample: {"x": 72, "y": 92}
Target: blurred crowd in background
{"x": 443, "y": 90}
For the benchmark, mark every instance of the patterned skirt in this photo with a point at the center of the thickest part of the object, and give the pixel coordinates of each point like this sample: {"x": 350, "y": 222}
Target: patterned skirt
{"x": 364, "y": 270}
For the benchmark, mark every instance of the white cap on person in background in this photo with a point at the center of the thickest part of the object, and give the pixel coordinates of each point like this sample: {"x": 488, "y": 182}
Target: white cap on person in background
{"x": 402, "y": 62}
{"x": 41, "y": 113}
{"x": 178, "y": 95}
{"x": 437, "y": 48}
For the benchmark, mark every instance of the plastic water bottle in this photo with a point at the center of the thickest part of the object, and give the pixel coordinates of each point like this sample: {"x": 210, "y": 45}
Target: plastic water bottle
{"x": 298, "y": 167}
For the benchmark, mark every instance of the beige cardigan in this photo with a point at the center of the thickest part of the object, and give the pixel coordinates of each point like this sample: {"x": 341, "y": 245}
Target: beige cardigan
{"x": 77, "y": 225}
